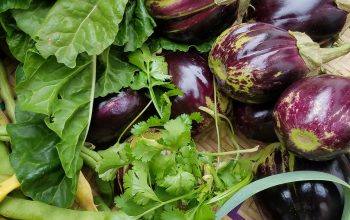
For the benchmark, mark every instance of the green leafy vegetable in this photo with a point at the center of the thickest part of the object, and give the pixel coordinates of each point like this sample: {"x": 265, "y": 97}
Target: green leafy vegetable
{"x": 136, "y": 27}
{"x": 64, "y": 95}
{"x": 37, "y": 165}
{"x": 18, "y": 42}
{"x": 156, "y": 44}
{"x": 118, "y": 72}
{"x": 14, "y": 4}
{"x": 73, "y": 27}
{"x": 30, "y": 20}
{"x": 179, "y": 184}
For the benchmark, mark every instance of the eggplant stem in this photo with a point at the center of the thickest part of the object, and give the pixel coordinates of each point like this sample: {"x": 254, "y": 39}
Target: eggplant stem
{"x": 6, "y": 93}
{"x": 329, "y": 54}
{"x": 8, "y": 186}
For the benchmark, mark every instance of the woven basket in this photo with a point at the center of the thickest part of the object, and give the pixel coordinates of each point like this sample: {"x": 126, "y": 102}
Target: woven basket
{"x": 249, "y": 210}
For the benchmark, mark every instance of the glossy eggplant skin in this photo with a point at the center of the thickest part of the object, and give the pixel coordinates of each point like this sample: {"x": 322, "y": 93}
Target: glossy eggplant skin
{"x": 112, "y": 114}
{"x": 255, "y": 62}
{"x": 312, "y": 117}
{"x": 309, "y": 200}
{"x": 192, "y": 21}
{"x": 191, "y": 74}
{"x": 255, "y": 121}
{"x": 320, "y": 19}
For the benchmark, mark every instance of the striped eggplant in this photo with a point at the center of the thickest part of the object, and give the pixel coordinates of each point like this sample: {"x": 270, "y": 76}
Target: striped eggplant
{"x": 255, "y": 62}
{"x": 255, "y": 121}
{"x": 322, "y": 20}
{"x": 312, "y": 117}
{"x": 309, "y": 200}
{"x": 192, "y": 21}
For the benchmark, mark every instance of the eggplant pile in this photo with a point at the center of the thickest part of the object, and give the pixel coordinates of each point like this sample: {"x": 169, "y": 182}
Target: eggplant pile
{"x": 121, "y": 92}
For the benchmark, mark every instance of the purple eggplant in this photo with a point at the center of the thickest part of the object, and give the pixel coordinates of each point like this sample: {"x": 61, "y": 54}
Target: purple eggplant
{"x": 255, "y": 121}
{"x": 192, "y": 21}
{"x": 191, "y": 74}
{"x": 255, "y": 62}
{"x": 112, "y": 114}
{"x": 320, "y": 19}
{"x": 312, "y": 117}
{"x": 302, "y": 200}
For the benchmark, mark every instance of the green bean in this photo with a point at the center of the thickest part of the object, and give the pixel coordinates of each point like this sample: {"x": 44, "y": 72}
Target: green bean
{"x": 6, "y": 93}
{"x": 22, "y": 209}
{"x": 5, "y": 166}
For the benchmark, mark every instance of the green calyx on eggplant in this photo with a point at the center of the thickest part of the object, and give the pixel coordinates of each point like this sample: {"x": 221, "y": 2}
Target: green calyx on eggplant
{"x": 322, "y": 20}
{"x": 193, "y": 21}
{"x": 255, "y": 121}
{"x": 319, "y": 200}
{"x": 112, "y": 114}
{"x": 191, "y": 74}
{"x": 255, "y": 62}
{"x": 312, "y": 117}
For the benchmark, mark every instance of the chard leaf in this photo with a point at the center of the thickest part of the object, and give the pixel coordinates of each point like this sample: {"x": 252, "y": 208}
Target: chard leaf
{"x": 136, "y": 27}
{"x": 37, "y": 165}
{"x": 118, "y": 72}
{"x": 73, "y": 27}
{"x": 30, "y": 20}
{"x": 179, "y": 184}
{"x": 63, "y": 95}
{"x": 18, "y": 42}
{"x": 14, "y": 4}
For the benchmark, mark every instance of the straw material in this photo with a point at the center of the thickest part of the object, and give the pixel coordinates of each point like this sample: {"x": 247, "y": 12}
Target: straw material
{"x": 208, "y": 142}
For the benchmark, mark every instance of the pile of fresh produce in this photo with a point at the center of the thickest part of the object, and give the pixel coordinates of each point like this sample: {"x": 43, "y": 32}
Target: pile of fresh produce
{"x": 103, "y": 115}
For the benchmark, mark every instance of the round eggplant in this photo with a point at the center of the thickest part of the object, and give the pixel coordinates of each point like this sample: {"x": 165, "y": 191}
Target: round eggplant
{"x": 255, "y": 62}
{"x": 191, "y": 74}
{"x": 112, "y": 114}
{"x": 312, "y": 117}
{"x": 312, "y": 200}
{"x": 192, "y": 21}
{"x": 255, "y": 121}
{"x": 322, "y": 20}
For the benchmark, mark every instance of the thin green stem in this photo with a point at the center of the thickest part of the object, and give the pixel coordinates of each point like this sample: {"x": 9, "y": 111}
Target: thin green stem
{"x": 216, "y": 119}
{"x": 133, "y": 121}
{"x": 167, "y": 202}
{"x": 252, "y": 150}
{"x": 6, "y": 93}
{"x": 5, "y": 138}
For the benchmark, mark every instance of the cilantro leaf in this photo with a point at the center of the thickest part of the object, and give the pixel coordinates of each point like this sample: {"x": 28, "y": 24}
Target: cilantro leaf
{"x": 143, "y": 126}
{"x": 146, "y": 149}
{"x": 157, "y": 44}
{"x": 177, "y": 132}
{"x": 161, "y": 165}
{"x": 179, "y": 184}
{"x": 113, "y": 158}
{"x": 173, "y": 215}
{"x": 136, "y": 184}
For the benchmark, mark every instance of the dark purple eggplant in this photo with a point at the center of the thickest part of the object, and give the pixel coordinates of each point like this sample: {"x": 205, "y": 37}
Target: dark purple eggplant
{"x": 192, "y": 21}
{"x": 255, "y": 62}
{"x": 112, "y": 114}
{"x": 312, "y": 117}
{"x": 322, "y": 20}
{"x": 308, "y": 200}
{"x": 191, "y": 74}
{"x": 255, "y": 121}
